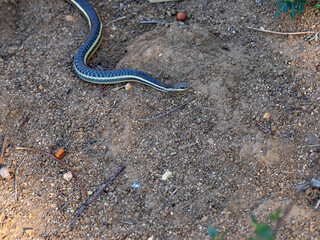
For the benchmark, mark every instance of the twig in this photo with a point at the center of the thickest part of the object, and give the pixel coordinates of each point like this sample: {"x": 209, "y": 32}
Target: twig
{"x": 3, "y": 149}
{"x": 264, "y": 128}
{"x": 276, "y": 132}
{"x": 63, "y": 206}
{"x": 84, "y": 198}
{"x": 280, "y": 33}
{"x": 15, "y": 181}
{"x": 117, "y": 19}
{"x": 159, "y": 1}
{"x": 206, "y": 108}
{"x": 153, "y": 21}
{"x": 125, "y": 222}
{"x": 166, "y": 113}
{"x": 124, "y": 237}
{"x": 86, "y": 204}
{"x": 22, "y": 122}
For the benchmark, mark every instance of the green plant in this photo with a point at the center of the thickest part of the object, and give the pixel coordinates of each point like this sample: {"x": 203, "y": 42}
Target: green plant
{"x": 214, "y": 233}
{"x": 263, "y": 231}
{"x": 295, "y": 7}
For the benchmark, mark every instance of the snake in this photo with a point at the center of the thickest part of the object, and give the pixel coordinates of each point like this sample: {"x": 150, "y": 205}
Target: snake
{"x": 98, "y": 76}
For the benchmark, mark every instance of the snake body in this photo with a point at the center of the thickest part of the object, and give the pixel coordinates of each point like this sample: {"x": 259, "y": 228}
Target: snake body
{"x": 113, "y": 76}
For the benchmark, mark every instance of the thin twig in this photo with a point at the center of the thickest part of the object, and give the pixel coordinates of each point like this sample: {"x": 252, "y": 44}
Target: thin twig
{"x": 125, "y": 222}
{"x": 63, "y": 206}
{"x": 124, "y": 237}
{"x": 153, "y": 21}
{"x": 276, "y": 132}
{"x": 280, "y": 33}
{"x": 159, "y": 1}
{"x": 3, "y": 149}
{"x": 264, "y": 128}
{"x": 117, "y": 19}
{"x": 84, "y": 198}
{"x": 206, "y": 108}
{"x": 87, "y": 203}
{"x": 22, "y": 122}
{"x": 166, "y": 113}
{"x": 15, "y": 180}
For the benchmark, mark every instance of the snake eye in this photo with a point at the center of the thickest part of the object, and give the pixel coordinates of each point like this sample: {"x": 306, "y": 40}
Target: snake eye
{"x": 181, "y": 86}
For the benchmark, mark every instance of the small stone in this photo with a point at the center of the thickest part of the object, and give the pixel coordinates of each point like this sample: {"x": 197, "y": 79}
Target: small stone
{"x": 128, "y": 86}
{"x": 137, "y": 215}
{"x": 41, "y": 87}
{"x": 69, "y": 18}
{"x": 86, "y": 220}
{"x": 181, "y": 16}
{"x": 5, "y": 172}
{"x": 90, "y": 193}
{"x": 204, "y": 219}
{"x": 151, "y": 238}
{"x": 67, "y": 176}
{"x": 266, "y": 115}
{"x": 166, "y": 175}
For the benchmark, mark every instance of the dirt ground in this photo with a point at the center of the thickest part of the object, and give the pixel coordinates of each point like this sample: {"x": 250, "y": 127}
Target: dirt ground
{"x": 248, "y": 138}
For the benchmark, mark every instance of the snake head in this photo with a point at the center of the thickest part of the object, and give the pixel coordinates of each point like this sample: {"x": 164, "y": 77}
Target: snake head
{"x": 180, "y": 86}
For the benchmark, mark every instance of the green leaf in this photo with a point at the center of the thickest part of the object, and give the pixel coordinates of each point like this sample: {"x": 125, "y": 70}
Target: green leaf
{"x": 223, "y": 234}
{"x": 317, "y": 5}
{"x": 212, "y": 231}
{"x": 253, "y": 219}
{"x": 275, "y": 216}
{"x": 292, "y": 14}
{"x": 264, "y": 231}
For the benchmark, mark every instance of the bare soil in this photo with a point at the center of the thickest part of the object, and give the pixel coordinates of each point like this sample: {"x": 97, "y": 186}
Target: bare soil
{"x": 241, "y": 147}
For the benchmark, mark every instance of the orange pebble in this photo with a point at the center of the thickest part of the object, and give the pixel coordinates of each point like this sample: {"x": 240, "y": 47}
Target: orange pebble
{"x": 181, "y": 16}
{"x": 60, "y": 153}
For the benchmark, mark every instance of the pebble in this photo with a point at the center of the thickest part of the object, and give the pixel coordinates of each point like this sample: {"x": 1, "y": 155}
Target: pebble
{"x": 204, "y": 219}
{"x": 86, "y": 220}
{"x": 181, "y": 16}
{"x": 41, "y": 87}
{"x": 128, "y": 86}
{"x": 5, "y": 172}
{"x": 166, "y": 175}
{"x": 137, "y": 215}
{"x": 266, "y": 115}
{"x": 69, "y": 18}
{"x": 67, "y": 176}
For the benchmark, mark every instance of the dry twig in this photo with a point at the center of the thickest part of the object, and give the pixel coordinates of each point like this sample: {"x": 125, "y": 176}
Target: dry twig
{"x": 15, "y": 180}
{"x": 84, "y": 198}
{"x": 159, "y": 1}
{"x": 280, "y": 33}
{"x": 166, "y": 113}
{"x": 3, "y": 149}
{"x": 87, "y": 203}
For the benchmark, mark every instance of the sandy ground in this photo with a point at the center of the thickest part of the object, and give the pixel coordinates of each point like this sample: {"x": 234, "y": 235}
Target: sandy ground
{"x": 248, "y": 138}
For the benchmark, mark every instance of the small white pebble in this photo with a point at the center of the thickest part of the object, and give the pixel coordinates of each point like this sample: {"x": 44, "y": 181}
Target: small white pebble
{"x": 166, "y": 175}
{"x": 151, "y": 238}
{"x": 67, "y": 176}
{"x": 90, "y": 193}
{"x": 128, "y": 86}
{"x": 5, "y": 172}
{"x": 69, "y": 18}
